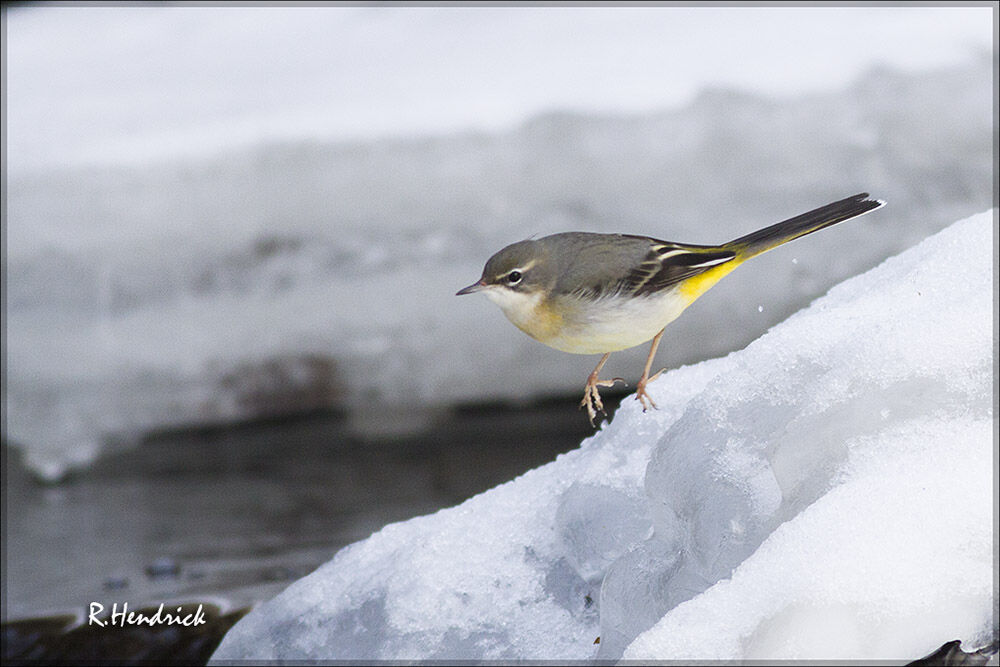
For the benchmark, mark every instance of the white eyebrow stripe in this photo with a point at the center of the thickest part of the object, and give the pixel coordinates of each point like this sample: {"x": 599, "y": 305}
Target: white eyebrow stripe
{"x": 524, "y": 268}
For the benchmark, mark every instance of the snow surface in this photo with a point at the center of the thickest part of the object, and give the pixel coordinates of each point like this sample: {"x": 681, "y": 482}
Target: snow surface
{"x": 824, "y": 493}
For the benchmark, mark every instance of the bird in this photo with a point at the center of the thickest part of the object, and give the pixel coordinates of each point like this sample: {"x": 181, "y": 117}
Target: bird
{"x": 593, "y": 293}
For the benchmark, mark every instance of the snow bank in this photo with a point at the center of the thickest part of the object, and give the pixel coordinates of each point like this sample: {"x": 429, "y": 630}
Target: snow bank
{"x": 826, "y": 492}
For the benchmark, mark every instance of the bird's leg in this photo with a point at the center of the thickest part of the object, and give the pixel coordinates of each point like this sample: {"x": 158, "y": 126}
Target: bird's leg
{"x": 640, "y": 388}
{"x": 591, "y": 396}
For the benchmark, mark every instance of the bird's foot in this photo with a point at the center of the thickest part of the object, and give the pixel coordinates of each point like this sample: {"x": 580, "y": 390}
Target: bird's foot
{"x": 640, "y": 391}
{"x": 592, "y": 397}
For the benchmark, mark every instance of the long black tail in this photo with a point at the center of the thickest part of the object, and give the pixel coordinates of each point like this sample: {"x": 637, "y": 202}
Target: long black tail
{"x": 771, "y": 237}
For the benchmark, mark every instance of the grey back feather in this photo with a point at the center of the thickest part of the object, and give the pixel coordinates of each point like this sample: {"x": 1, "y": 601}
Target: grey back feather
{"x": 597, "y": 265}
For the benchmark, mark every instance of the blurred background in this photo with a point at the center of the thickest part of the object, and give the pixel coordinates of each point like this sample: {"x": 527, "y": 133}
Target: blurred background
{"x": 233, "y": 237}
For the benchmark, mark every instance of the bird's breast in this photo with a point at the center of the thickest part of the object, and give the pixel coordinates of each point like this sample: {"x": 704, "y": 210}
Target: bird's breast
{"x": 530, "y": 312}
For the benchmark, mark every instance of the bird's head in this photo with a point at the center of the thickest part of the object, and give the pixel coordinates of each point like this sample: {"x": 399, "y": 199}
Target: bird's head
{"x": 516, "y": 278}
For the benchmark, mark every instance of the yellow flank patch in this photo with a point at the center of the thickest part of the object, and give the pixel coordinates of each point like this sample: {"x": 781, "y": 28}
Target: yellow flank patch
{"x": 541, "y": 321}
{"x": 694, "y": 287}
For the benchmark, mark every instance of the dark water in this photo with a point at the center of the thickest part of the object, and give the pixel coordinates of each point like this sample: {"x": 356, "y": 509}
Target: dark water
{"x": 229, "y": 516}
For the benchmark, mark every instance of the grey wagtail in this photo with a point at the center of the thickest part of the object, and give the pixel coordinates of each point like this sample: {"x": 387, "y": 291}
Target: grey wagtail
{"x": 590, "y": 293}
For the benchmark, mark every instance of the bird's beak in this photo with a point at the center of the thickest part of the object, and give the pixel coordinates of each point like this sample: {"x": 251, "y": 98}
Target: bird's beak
{"x": 474, "y": 287}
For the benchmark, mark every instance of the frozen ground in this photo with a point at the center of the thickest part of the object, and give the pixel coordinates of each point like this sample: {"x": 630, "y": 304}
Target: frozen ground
{"x": 274, "y": 237}
{"x": 824, "y": 493}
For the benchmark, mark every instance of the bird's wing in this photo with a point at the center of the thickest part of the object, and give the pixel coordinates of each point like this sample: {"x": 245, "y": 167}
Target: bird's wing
{"x": 668, "y": 264}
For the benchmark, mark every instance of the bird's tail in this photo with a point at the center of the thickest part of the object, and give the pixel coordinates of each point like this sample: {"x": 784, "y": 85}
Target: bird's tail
{"x": 782, "y": 232}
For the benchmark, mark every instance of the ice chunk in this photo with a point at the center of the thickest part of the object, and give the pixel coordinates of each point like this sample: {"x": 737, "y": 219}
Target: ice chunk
{"x": 597, "y": 524}
{"x": 636, "y": 592}
{"x": 824, "y": 493}
{"x": 883, "y": 567}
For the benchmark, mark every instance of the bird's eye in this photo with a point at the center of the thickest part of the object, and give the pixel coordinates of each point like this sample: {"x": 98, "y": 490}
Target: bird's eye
{"x": 514, "y": 277}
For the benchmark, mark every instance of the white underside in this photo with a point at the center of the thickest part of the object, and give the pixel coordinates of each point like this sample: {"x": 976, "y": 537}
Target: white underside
{"x": 593, "y": 327}
{"x": 615, "y": 323}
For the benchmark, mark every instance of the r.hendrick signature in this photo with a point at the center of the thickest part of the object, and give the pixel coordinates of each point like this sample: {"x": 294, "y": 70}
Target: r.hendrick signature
{"x": 125, "y": 617}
